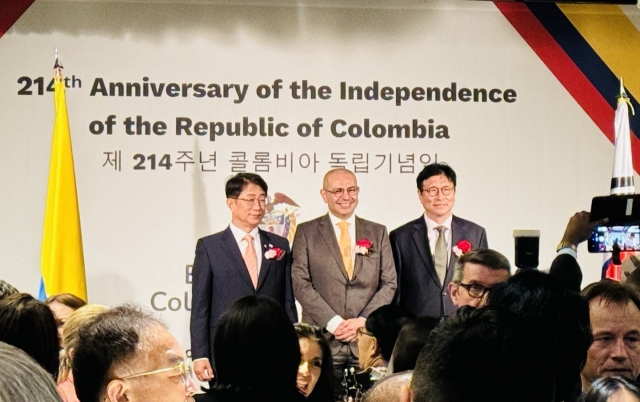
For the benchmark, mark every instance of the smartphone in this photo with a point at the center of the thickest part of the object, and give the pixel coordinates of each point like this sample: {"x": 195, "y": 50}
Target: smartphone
{"x": 604, "y": 237}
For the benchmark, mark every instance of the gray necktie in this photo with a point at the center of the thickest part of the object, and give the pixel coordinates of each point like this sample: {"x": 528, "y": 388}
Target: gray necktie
{"x": 440, "y": 254}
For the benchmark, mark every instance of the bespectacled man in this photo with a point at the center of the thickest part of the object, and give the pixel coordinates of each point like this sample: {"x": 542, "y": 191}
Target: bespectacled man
{"x": 241, "y": 260}
{"x": 125, "y": 354}
{"x": 475, "y": 274}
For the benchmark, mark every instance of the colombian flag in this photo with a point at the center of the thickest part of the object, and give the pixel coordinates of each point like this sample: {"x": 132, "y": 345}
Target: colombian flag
{"x": 62, "y": 260}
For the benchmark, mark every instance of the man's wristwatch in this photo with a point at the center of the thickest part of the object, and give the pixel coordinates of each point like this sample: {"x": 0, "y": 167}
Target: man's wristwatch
{"x": 566, "y": 244}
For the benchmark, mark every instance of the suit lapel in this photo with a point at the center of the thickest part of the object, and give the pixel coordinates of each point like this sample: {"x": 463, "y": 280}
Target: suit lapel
{"x": 329, "y": 235}
{"x": 421, "y": 241}
{"x": 458, "y": 232}
{"x": 266, "y": 264}
{"x": 362, "y": 232}
{"x": 230, "y": 246}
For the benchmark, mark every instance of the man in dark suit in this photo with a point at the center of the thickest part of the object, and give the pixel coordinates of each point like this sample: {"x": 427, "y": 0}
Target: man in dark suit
{"x": 239, "y": 261}
{"x": 425, "y": 251}
{"x": 342, "y": 268}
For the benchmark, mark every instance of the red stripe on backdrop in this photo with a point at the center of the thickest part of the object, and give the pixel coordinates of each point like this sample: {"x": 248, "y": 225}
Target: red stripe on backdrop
{"x": 565, "y": 70}
{"x": 10, "y": 11}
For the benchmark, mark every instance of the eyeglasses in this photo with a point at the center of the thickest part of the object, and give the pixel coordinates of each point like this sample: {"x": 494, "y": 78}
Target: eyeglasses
{"x": 363, "y": 331}
{"x": 338, "y": 192}
{"x": 184, "y": 368}
{"x": 252, "y": 201}
{"x": 433, "y": 191}
{"x": 475, "y": 290}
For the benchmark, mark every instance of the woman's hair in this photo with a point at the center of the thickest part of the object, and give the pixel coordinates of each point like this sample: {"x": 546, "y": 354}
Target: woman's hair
{"x": 413, "y": 336}
{"x": 70, "y": 335}
{"x": 326, "y": 387}
{"x": 22, "y": 379}
{"x": 30, "y": 325}
{"x": 256, "y": 351}
{"x": 68, "y": 299}
{"x": 603, "y": 388}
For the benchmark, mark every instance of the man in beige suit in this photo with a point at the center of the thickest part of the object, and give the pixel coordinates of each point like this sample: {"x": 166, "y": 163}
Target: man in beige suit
{"x": 342, "y": 268}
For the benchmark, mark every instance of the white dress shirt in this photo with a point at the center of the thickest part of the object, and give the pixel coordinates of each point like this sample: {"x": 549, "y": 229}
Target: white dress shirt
{"x": 433, "y": 234}
{"x": 238, "y": 235}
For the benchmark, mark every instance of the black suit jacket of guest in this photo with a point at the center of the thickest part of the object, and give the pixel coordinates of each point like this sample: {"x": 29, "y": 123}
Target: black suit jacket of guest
{"x": 419, "y": 289}
{"x": 220, "y": 277}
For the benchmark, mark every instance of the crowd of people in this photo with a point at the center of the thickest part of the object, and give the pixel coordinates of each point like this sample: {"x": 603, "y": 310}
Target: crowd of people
{"x": 425, "y": 313}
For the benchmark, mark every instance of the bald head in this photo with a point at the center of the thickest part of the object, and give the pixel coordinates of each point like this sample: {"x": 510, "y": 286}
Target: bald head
{"x": 340, "y": 192}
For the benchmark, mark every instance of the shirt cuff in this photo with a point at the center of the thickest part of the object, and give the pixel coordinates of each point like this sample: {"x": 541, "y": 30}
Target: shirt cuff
{"x": 333, "y": 323}
{"x": 202, "y": 358}
{"x": 568, "y": 250}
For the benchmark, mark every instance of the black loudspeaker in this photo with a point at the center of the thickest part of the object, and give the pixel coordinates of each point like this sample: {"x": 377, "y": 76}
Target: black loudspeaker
{"x": 527, "y": 244}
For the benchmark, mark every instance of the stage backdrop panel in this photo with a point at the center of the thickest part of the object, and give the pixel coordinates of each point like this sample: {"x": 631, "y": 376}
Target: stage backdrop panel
{"x": 168, "y": 100}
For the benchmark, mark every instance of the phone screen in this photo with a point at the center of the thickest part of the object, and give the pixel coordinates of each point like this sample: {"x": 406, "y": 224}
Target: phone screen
{"x": 604, "y": 237}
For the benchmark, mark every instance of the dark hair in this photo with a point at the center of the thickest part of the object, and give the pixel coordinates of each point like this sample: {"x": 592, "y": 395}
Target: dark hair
{"x": 70, "y": 300}
{"x": 603, "y": 388}
{"x": 557, "y": 313}
{"x": 611, "y": 292}
{"x": 255, "y": 329}
{"x": 29, "y": 324}
{"x": 326, "y": 387}
{"x": 22, "y": 379}
{"x": 482, "y": 256}
{"x": 484, "y": 354}
{"x": 109, "y": 339}
{"x": 436, "y": 169}
{"x": 412, "y": 337}
{"x": 237, "y": 183}
{"x": 6, "y": 289}
{"x": 385, "y": 324}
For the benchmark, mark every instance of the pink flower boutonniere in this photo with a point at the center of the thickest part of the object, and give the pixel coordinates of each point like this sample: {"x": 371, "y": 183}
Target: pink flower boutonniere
{"x": 463, "y": 247}
{"x": 274, "y": 253}
{"x": 364, "y": 247}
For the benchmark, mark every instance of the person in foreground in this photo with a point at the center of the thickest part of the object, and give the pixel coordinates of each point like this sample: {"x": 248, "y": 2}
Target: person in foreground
{"x": 256, "y": 354}
{"x": 614, "y": 310}
{"x": 22, "y": 379}
{"x": 475, "y": 274}
{"x": 125, "y": 354}
{"x": 315, "y": 374}
{"x": 241, "y": 260}
{"x": 611, "y": 389}
{"x": 480, "y": 355}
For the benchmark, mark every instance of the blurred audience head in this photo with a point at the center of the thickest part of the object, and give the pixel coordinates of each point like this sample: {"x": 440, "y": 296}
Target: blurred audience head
{"x": 22, "y": 379}
{"x": 484, "y": 354}
{"x": 71, "y": 335}
{"x": 125, "y": 354}
{"x": 611, "y": 389}
{"x": 315, "y": 374}
{"x": 391, "y": 388}
{"x": 378, "y": 337}
{"x": 63, "y": 305}
{"x": 411, "y": 339}
{"x": 615, "y": 322}
{"x": 255, "y": 330}
{"x": 558, "y": 314}
{"x": 475, "y": 274}
{"x": 6, "y": 289}
{"x": 28, "y": 324}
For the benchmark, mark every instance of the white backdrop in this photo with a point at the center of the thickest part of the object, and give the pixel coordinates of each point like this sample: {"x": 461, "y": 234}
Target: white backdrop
{"x": 529, "y": 164}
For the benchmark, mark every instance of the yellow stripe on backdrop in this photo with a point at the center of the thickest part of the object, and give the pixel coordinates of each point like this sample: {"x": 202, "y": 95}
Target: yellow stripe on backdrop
{"x": 612, "y": 35}
{"x": 62, "y": 259}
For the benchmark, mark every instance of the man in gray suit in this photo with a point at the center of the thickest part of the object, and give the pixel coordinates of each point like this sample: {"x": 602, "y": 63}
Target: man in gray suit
{"x": 342, "y": 268}
{"x": 425, "y": 251}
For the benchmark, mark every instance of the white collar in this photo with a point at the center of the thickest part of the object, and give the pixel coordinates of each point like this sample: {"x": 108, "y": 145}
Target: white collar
{"x": 432, "y": 225}
{"x": 239, "y": 234}
{"x": 335, "y": 220}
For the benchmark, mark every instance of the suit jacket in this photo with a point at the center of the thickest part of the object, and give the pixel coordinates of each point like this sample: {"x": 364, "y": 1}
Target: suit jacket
{"x": 220, "y": 277}
{"x": 419, "y": 289}
{"x": 566, "y": 268}
{"x": 320, "y": 281}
